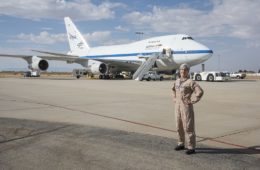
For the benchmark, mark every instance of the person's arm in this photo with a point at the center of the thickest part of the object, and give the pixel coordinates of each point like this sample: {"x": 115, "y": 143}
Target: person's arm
{"x": 174, "y": 93}
{"x": 198, "y": 92}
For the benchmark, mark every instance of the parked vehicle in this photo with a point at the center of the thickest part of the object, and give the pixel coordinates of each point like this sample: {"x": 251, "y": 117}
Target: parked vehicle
{"x": 79, "y": 73}
{"x": 238, "y": 75}
{"x": 210, "y": 76}
{"x": 152, "y": 75}
{"x": 31, "y": 74}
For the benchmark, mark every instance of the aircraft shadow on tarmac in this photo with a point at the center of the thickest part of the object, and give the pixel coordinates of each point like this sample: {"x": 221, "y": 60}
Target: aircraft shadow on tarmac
{"x": 250, "y": 150}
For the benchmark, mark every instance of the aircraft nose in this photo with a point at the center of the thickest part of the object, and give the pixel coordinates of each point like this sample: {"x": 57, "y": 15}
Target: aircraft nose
{"x": 206, "y": 52}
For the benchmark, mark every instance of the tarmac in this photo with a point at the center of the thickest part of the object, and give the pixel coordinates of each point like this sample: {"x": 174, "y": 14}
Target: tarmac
{"x": 124, "y": 124}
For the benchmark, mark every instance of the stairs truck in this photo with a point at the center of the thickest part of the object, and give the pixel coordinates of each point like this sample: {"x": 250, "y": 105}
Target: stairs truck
{"x": 210, "y": 76}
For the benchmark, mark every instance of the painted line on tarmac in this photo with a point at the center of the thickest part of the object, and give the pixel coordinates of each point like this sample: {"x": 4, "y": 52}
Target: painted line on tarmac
{"x": 157, "y": 127}
{"x": 148, "y": 125}
{"x": 137, "y": 123}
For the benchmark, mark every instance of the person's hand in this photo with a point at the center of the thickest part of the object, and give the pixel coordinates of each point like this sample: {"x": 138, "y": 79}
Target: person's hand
{"x": 193, "y": 102}
{"x": 186, "y": 102}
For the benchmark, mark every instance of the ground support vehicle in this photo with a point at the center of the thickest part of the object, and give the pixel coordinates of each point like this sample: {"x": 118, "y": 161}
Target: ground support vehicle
{"x": 210, "y": 76}
{"x": 152, "y": 75}
{"x": 79, "y": 73}
{"x": 238, "y": 75}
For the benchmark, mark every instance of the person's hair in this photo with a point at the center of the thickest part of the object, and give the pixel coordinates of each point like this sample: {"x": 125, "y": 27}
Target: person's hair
{"x": 185, "y": 66}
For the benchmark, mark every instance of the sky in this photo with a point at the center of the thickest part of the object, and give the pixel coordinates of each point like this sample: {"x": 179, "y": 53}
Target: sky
{"x": 229, "y": 27}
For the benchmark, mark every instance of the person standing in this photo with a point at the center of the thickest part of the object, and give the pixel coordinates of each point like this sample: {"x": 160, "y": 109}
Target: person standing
{"x": 186, "y": 92}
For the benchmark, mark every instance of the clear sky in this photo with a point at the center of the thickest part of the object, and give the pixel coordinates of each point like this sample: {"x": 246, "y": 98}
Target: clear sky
{"x": 231, "y": 28}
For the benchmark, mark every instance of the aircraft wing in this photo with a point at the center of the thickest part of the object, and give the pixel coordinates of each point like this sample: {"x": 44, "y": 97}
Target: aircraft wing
{"x": 27, "y": 58}
{"x": 47, "y": 57}
{"x": 59, "y": 58}
{"x": 56, "y": 54}
{"x": 15, "y": 56}
{"x": 120, "y": 64}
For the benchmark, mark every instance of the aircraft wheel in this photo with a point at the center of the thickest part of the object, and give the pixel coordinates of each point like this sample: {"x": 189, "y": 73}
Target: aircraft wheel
{"x": 161, "y": 78}
{"x": 106, "y": 76}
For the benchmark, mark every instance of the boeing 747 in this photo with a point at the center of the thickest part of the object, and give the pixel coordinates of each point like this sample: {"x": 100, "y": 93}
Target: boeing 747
{"x": 165, "y": 53}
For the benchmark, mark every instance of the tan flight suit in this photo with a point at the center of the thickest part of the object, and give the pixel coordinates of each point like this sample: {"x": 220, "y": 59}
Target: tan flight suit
{"x": 186, "y": 92}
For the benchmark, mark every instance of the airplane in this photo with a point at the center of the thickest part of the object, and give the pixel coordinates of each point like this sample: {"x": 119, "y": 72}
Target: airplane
{"x": 163, "y": 53}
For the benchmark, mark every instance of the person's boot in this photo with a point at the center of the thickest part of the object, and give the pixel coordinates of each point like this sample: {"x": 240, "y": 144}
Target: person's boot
{"x": 179, "y": 147}
{"x": 190, "y": 151}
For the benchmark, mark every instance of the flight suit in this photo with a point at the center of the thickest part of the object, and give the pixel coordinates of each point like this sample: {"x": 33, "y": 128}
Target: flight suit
{"x": 186, "y": 92}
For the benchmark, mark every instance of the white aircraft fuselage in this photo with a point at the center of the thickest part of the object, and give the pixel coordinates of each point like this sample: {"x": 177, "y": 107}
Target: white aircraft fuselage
{"x": 184, "y": 50}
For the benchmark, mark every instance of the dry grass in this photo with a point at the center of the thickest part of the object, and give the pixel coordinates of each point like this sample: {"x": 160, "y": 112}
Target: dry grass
{"x": 13, "y": 74}
{"x": 10, "y": 74}
{"x": 252, "y": 77}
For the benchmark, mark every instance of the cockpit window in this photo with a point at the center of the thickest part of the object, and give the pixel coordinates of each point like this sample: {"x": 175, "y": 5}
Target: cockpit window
{"x": 187, "y": 38}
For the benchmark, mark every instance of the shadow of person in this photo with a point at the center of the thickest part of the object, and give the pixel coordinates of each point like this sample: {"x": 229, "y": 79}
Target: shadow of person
{"x": 249, "y": 150}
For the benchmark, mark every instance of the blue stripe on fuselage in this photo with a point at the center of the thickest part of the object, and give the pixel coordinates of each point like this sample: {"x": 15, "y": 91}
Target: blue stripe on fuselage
{"x": 144, "y": 54}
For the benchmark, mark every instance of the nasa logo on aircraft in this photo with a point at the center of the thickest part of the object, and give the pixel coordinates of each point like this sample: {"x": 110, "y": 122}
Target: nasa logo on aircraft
{"x": 72, "y": 36}
{"x": 80, "y": 45}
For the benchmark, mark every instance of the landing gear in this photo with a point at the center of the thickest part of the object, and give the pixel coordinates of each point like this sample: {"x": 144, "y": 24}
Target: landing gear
{"x": 104, "y": 76}
{"x": 101, "y": 76}
{"x": 108, "y": 76}
{"x": 118, "y": 76}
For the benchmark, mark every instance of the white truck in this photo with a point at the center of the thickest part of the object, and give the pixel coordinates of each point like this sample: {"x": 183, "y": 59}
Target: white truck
{"x": 32, "y": 73}
{"x": 238, "y": 75}
{"x": 210, "y": 76}
{"x": 152, "y": 75}
{"x": 79, "y": 73}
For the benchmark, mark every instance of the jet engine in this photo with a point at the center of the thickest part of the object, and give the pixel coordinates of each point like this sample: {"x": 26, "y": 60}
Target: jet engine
{"x": 96, "y": 67}
{"x": 39, "y": 64}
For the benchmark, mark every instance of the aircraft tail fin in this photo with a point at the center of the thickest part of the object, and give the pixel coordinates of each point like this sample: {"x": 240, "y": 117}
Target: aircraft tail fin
{"x": 78, "y": 44}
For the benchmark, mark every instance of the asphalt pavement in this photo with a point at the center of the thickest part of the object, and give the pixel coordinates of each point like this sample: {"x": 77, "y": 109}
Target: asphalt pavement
{"x": 29, "y": 144}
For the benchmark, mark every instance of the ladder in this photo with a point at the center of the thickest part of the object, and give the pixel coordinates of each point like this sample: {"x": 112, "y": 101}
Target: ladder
{"x": 145, "y": 67}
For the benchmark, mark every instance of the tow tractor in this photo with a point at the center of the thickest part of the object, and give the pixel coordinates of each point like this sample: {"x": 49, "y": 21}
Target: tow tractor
{"x": 32, "y": 73}
{"x": 79, "y": 73}
{"x": 210, "y": 76}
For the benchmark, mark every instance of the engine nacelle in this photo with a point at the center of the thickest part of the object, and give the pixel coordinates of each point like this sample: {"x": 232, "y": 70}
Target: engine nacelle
{"x": 39, "y": 64}
{"x": 96, "y": 67}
